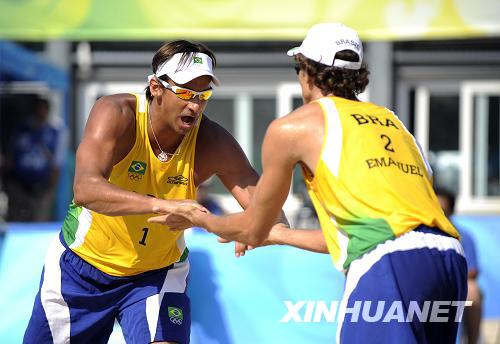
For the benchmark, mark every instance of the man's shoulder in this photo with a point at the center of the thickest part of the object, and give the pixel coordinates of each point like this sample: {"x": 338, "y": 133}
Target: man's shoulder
{"x": 116, "y": 107}
{"x": 123, "y": 101}
{"x": 301, "y": 119}
{"x": 112, "y": 116}
{"x": 312, "y": 108}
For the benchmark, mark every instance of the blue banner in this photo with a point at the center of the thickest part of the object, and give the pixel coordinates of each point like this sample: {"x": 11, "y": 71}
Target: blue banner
{"x": 233, "y": 300}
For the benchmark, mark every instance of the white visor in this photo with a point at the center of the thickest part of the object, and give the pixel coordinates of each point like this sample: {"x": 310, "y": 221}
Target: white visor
{"x": 324, "y": 41}
{"x": 196, "y": 65}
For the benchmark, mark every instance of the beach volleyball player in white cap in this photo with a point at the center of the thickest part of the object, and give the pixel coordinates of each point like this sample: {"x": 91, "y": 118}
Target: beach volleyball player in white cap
{"x": 372, "y": 190}
{"x": 139, "y": 154}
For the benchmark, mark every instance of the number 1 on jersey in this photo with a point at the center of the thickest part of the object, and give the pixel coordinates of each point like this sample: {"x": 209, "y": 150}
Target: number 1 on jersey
{"x": 143, "y": 240}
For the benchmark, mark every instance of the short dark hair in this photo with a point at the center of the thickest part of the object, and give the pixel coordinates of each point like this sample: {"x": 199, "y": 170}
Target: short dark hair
{"x": 168, "y": 50}
{"x": 450, "y": 197}
{"x": 342, "y": 82}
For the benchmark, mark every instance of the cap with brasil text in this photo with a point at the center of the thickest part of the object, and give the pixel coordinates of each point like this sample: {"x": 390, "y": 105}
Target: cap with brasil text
{"x": 196, "y": 65}
{"x": 325, "y": 40}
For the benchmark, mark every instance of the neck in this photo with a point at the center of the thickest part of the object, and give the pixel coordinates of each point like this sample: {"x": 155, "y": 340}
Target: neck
{"x": 168, "y": 139}
{"x": 317, "y": 94}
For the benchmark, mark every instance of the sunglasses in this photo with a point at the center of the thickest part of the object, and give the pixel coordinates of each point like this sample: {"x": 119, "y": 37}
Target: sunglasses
{"x": 297, "y": 68}
{"x": 185, "y": 93}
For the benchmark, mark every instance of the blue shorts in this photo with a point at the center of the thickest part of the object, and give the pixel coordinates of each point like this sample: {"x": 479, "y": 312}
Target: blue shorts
{"x": 79, "y": 303}
{"x": 414, "y": 284}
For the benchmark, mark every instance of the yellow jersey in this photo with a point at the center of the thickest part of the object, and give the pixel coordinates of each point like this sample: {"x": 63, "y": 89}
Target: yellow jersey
{"x": 372, "y": 182}
{"x": 129, "y": 245}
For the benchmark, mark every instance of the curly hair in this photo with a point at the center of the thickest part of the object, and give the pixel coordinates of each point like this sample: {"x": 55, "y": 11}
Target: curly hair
{"x": 168, "y": 50}
{"x": 341, "y": 82}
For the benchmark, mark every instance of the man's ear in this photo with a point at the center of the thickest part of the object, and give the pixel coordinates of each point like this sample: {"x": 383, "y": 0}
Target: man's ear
{"x": 155, "y": 87}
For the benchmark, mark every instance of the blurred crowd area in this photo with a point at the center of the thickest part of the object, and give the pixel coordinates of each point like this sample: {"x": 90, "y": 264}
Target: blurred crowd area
{"x": 33, "y": 144}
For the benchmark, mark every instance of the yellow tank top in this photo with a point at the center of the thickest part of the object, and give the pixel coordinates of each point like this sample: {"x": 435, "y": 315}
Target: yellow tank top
{"x": 372, "y": 182}
{"x": 128, "y": 245}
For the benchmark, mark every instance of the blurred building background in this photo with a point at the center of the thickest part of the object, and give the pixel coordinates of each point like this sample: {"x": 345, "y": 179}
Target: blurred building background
{"x": 436, "y": 63}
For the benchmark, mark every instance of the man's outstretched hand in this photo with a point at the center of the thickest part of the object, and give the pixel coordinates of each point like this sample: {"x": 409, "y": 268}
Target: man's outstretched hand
{"x": 179, "y": 215}
{"x": 276, "y": 232}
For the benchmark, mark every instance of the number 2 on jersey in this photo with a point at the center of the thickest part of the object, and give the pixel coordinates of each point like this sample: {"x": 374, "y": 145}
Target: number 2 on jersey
{"x": 388, "y": 143}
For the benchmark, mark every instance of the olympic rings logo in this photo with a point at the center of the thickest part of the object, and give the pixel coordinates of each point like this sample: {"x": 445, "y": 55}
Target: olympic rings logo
{"x": 135, "y": 176}
{"x": 177, "y": 321}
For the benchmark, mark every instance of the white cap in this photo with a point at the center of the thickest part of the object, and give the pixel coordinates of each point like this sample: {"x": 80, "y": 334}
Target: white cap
{"x": 323, "y": 41}
{"x": 196, "y": 65}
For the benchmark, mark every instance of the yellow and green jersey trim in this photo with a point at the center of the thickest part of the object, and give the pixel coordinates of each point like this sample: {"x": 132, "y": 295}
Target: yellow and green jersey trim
{"x": 71, "y": 223}
{"x": 372, "y": 182}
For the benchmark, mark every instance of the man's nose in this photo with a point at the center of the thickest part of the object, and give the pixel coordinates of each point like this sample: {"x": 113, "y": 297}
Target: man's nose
{"x": 195, "y": 103}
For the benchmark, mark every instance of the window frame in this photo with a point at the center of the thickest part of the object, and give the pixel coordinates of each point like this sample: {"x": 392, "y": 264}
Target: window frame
{"x": 467, "y": 202}
{"x": 466, "y": 90}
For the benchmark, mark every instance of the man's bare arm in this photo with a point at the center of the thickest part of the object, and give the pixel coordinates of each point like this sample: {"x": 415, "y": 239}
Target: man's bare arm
{"x": 109, "y": 135}
{"x": 305, "y": 239}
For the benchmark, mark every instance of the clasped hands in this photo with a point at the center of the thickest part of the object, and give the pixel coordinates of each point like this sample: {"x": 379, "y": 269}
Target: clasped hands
{"x": 179, "y": 215}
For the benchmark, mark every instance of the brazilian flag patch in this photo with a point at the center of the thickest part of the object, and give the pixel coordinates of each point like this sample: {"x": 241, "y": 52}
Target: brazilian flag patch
{"x": 137, "y": 170}
{"x": 197, "y": 59}
{"x": 175, "y": 315}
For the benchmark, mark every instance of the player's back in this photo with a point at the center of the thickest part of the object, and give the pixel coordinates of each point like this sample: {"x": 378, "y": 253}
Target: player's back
{"x": 372, "y": 182}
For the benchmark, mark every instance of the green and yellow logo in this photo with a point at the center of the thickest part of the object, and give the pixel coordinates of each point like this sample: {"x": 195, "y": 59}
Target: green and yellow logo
{"x": 197, "y": 59}
{"x": 175, "y": 315}
{"x": 137, "y": 170}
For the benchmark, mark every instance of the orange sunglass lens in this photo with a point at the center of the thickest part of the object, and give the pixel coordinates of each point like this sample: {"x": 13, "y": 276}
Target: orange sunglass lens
{"x": 205, "y": 95}
{"x": 184, "y": 94}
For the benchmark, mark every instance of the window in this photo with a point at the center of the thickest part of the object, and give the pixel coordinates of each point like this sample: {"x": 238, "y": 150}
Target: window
{"x": 437, "y": 129}
{"x": 486, "y": 146}
{"x": 480, "y": 143}
{"x": 230, "y": 113}
{"x": 459, "y": 130}
{"x": 444, "y": 155}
